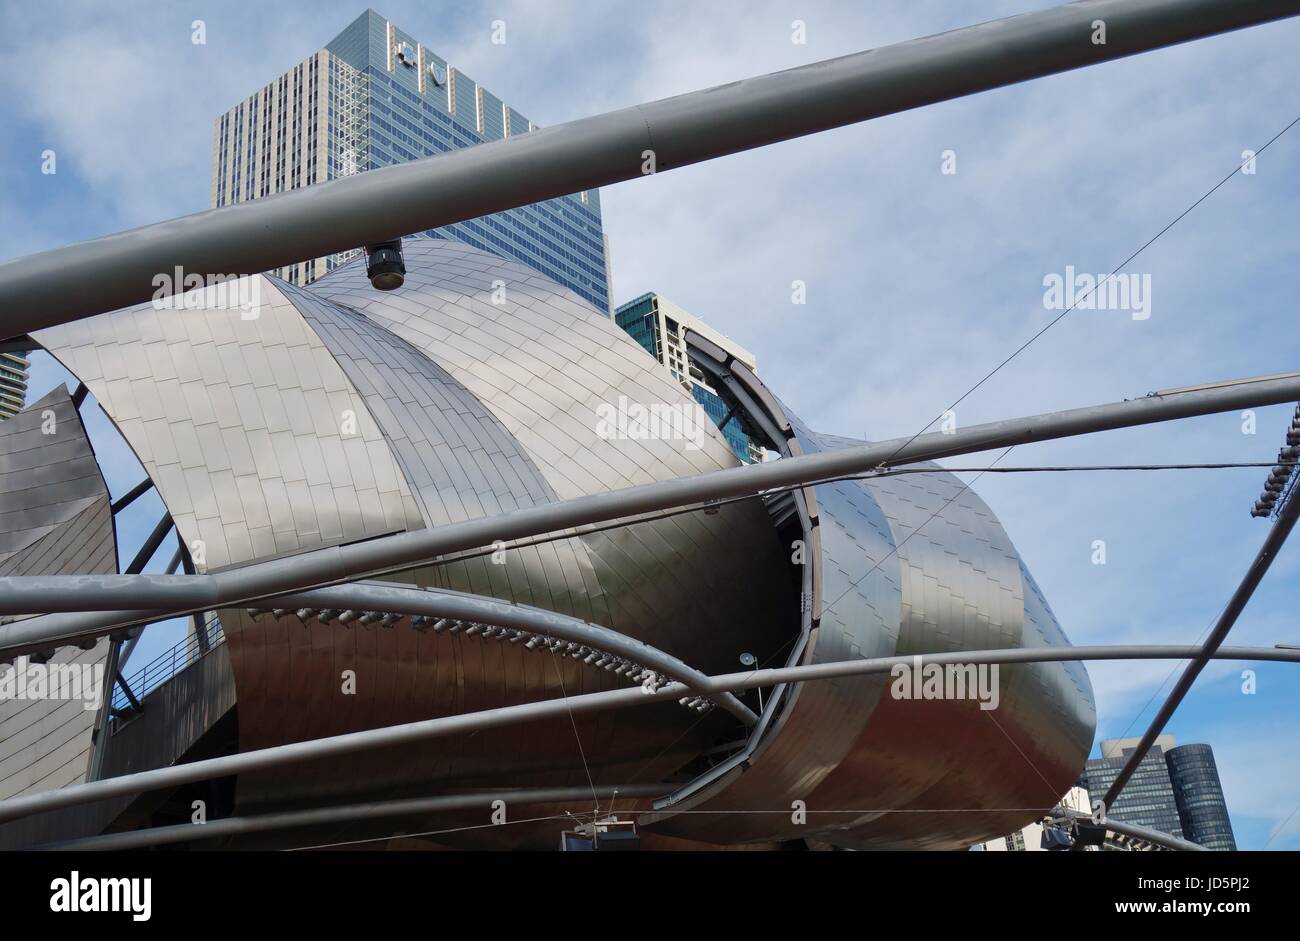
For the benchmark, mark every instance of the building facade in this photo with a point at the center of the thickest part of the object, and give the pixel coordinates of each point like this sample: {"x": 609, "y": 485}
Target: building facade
{"x": 1176, "y": 790}
{"x": 373, "y": 97}
{"x": 13, "y": 384}
{"x": 659, "y": 325}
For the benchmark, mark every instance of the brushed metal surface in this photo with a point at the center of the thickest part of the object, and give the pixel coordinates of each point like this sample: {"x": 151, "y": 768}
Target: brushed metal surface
{"x": 475, "y": 389}
{"x": 54, "y": 520}
{"x": 467, "y": 408}
{"x": 912, "y": 564}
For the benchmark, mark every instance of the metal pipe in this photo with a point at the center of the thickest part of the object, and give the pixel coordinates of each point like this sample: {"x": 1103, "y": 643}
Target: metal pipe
{"x": 429, "y": 729}
{"x": 1277, "y": 535}
{"x": 1132, "y": 829}
{"x": 116, "y": 271}
{"x": 126, "y": 499}
{"x": 347, "y": 813}
{"x": 146, "y": 551}
{"x": 172, "y": 595}
{"x": 439, "y": 603}
{"x": 198, "y": 619}
{"x": 126, "y": 688}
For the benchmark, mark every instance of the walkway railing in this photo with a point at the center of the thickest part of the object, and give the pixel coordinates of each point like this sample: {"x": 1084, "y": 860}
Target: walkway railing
{"x": 167, "y": 664}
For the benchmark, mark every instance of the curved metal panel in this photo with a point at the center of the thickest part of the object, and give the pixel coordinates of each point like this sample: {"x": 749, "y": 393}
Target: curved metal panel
{"x": 477, "y": 388}
{"x": 54, "y": 520}
{"x": 542, "y": 362}
{"x": 912, "y": 564}
{"x": 471, "y": 391}
{"x": 250, "y": 430}
{"x": 467, "y": 409}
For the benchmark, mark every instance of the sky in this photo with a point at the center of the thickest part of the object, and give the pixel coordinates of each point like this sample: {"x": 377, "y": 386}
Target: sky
{"x": 919, "y": 282}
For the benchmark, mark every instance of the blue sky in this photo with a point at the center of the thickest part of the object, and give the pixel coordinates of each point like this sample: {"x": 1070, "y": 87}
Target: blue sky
{"x": 918, "y": 282}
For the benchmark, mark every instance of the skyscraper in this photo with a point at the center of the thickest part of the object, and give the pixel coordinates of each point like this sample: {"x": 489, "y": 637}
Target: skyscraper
{"x": 13, "y": 384}
{"x": 1199, "y": 795}
{"x": 1148, "y": 798}
{"x": 659, "y": 325}
{"x": 373, "y": 97}
{"x": 1175, "y": 789}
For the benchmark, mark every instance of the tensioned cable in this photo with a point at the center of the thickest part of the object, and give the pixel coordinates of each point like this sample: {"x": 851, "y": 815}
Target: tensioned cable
{"x": 891, "y": 472}
{"x": 582, "y": 753}
{"x": 1057, "y": 319}
{"x": 412, "y": 836}
{"x": 964, "y": 488}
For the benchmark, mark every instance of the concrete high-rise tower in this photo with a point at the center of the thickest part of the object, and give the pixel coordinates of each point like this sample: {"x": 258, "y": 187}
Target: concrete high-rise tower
{"x": 660, "y": 326}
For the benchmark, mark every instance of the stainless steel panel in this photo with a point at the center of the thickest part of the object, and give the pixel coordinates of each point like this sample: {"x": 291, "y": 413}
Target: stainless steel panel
{"x": 54, "y": 520}
{"x": 466, "y": 408}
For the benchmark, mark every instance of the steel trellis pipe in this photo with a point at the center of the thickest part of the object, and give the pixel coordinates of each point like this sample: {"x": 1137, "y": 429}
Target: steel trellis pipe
{"x": 239, "y": 826}
{"x": 1131, "y": 829}
{"x": 1277, "y": 535}
{"x": 354, "y": 742}
{"x": 116, "y": 271}
{"x": 405, "y": 600}
{"x": 167, "y": 596}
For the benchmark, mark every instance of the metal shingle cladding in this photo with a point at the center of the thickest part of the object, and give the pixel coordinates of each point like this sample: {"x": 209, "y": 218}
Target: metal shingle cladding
{"x": 54, "y": 520}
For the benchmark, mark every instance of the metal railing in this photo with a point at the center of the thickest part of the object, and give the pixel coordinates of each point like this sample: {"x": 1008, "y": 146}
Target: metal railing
{"x": 167, "y": 664}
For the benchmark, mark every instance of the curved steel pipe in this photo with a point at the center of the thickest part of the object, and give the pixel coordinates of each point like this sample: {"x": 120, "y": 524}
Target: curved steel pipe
{"x": 346, "y": 813}
{"x": 171, "y": 595}
{"x": 370, "y": 739}
{"x": 436, "y": 602}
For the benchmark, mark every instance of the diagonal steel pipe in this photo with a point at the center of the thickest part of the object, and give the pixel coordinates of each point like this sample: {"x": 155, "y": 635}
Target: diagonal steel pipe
{"x": 1130, "y": 829}
{"x": 116, "y": 271}
{"x": 1277, "y": 536}
{"x": 429, "y": 729}
{"x": 171, "y": 595}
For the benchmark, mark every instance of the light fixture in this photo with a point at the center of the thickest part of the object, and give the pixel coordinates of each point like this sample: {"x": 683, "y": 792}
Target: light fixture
{"x": 384, "y": 265}
{"x": 1279, "y": 484}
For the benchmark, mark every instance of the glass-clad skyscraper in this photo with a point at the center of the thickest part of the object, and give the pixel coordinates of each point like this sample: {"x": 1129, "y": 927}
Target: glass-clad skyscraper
{"x": 659, "y": 325}
{"x": 1199, "y": 795}
{"x": 1148, "y": 798}
{"x": 1175, "y": 789}
{"x": 374, "y": 97}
